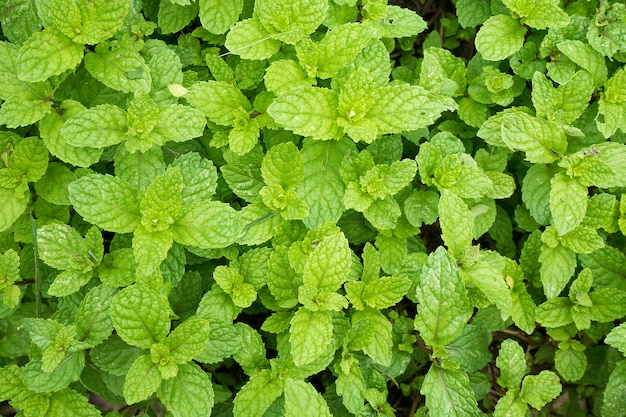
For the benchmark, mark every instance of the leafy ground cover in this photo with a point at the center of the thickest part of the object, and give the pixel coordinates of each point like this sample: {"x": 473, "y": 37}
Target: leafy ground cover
{"x": 312, "y": 208}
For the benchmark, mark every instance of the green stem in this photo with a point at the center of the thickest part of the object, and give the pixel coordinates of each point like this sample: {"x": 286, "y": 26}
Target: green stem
{"x": 33, "y": 231}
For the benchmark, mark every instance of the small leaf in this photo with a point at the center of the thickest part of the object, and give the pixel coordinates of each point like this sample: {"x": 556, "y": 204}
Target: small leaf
{"x": 142, "y": 380}
{"x": 500, "y": 37}
{"x": 45, "y": 54}
{"x": 301, "y": 398}
{"x": 538, "y": 390}
{"x": 309, "y": 335}
{"x": 189, "y": 393}
{"x": 448, "y": 393}
{"x": 258, "y": 394}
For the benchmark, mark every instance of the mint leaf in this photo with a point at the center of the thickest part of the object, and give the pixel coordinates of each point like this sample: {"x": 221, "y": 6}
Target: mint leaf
{"x": 613, "y": 402}
{"x": 570, "y": 360}
{"x": 472, "y": 13}
{"x": 375, "y": 335}
{"x": 207, "y": 225}
{"x": 307, "y": 111}
{"x": 88, "y": 22}
{"x": 97, "y": 127}
{"x": 45, "y": 54}
{"x": 190, "y": 393}
{"x": 140, "y": 316}
{"x": 568, "y": 202}
{"x": 258, "y": 394}
{"x": 541, "y": 14}
{"x": 443, "y": 304}
{"x": 119, "y": 67}
{"x": 93, "y": 322}
{"x": 542, "y": 141}
{"x": 457, "y": 223}
{"x": 538, "y": 390}
{"x": 557, "y": 267}
{"x": 512, "y": 364}
{"x": 106, "y": 201}
{"x": 217, "y": 17}
{"x": 309, "y": 335}
{"x": 142, "y": 380}
{"x": 500, "y": 37}
{"x": 339, "y": 47}
{"x": 250, "y": 40}
{"x": 290, "y": 21}
{"x": 448, "y": 393}
{"x": 301, "y": 398}
{"x": 328, "y": 264}
{"x": 218, "y": 101}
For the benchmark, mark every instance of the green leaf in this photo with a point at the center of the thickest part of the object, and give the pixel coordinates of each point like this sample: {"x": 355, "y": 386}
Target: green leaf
{"x": 188, "y": 340}
{"x": 309, "y": 335}
{"x": 543, "y": 141}
{"x": 307, "y": 111}
{"x": 283, "y": 165}
{"x": 69, "y": 401}
{"x": 350, "y": 385}
{"x": 422, "y": 207}
{"x": 617, "y": 338}
{"x": 375, "y": 335}
{"x": 93, "y": 322}
{"x": 448, "y": 393}
{"x": 500, "y": 37}
{"x": 471, "y": 349}
{"x": 608, "y": 304}
{"x": 570, "y": 360}
{"x": 200, "y": 177}
{"x": 472, "y": 13}
{"x": 541, "y": 14}
{"x": 536, "y": 193}
{"x": 385, "y": 292}
{"x": 140, "y": 316}
{"x": 512, "y": 364}
{"x": 88, "y": 22}
{"x": 568, "y": 202}
{"x": 217, "y": 17}
{"x": 119, "y": 67}
{"x": 68, "y": 371}
{"x": 328, "y": 264}
{"x": 284, "y": 74}
{"x": 189, "y": 393}
{"x": 142, "y": 380}
{"x": 290, "y": 21}
{"x": 490, "y": 281}
{"x": 30, "y": 157}
{"x": 401, "y": 22}
{"x": 178, "y": 123}
{"x": 443, "y": 304}
{"x": 557, "y": 267}
{"x": 97, "y": 127}
{"x": 173, "y": 17}
{"x": 301, "y": 398}
{"x": 45, "y": 54}
{"x": 457, "y": 223}
{"x": 210, "y": 224}
{"x": 24, "y": 109}
{"x": 614, "y": 403}
{"x": 258, "y": 394}
{"x": 250, "y": 40}
{"x": 587, "y": 58}
{"x": 538, "y": 390}
{"x": 340, "y": 46}
{"x": 13, "y": 207}
{"x": 162, "y": 201}
{"x": 218, "y": 101}
{"x": 419, "y": 107}
{"x": 62, "y": 247}
{"x": 322, "y": 188}
{"x": 106, "y": 201}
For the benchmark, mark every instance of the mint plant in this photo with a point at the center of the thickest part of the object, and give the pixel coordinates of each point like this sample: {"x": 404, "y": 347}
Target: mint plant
{"x": 323, "y": 207}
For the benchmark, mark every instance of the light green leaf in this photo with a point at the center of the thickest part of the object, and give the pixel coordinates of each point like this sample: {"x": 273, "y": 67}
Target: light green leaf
{"x": 218, "y": 16}
{"x": 587, "y": 58}
{"x": 500, "y": 37}
{"x": 62, "y": 247}
{"x": 301, "y": 399}
{"x": 568, "y": 202}
{"x": 536, "y": 193}
{"x": 443, "y": 308}
{"x": 608, "y": 304}
{"x": 69, "y": 402}
{"x": 555, "y": 312}
{"x": 97, "y": 127}
{"x": 218, "y": 101}
{"x": 399, "y": 108}
{"x": 290, "y": 21}
{"x": 471, "y": 349}
{"x": 401, "y": 22}
{"x": 45, "y": 54}
{"x": 140, "y": 316}
{"x": 538, "y": 390}
{"x": 375, "y": 335}
{"x": 617, "y": 338}
{"x": 340, "y": 47}
{"x": 570, "y": 360}
{"x": 540, "y": 14}
{"x": 210, "y": 224}
{"x": 322, "y": 188}
{"x": 106, "y": 201}
{"x": 178, "y": 123}
{"x": 422, "y": 207}
{"x": 448, "y": 393}
{"x": 583, "y": 239}
{"x": 250, "y": 40}
{"x": 310, "y": 334}
{"x": 173, "y": 17}
{"x": 162, "y": 201}
{"x": 283, "y": 165}
{"x": 142, "y": 380}
{"x": 385, "y": 292}
{"x": 543, "y": 141}
{"x": 614, "y": 402}
{"x": 24, "y": 109}
{"x": 93, "y": 322}
{"x": 328, "y": 265}
{"x": 68, "y": 371}
{"x": 472, "y": 13}
{"x": 119, "y": 67}
{"x": 88, "y": 22}
{"x": 350, "y": 385}
{"x": 258, "y": 394}
{"x": 457, "y": 223}
{"x": 150, "y": 250}
{"x": 557, "y": 267}
{"x": 490, "y": 281}
{"x": 283, "y": 75}
{"x": 512, "y": 364}
{"x": 189, "y": 393}
{"x": 307, "y": 111}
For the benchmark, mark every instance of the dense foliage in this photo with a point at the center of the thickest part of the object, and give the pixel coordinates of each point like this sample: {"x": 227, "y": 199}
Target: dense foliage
{"x": 312, "y": 208}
